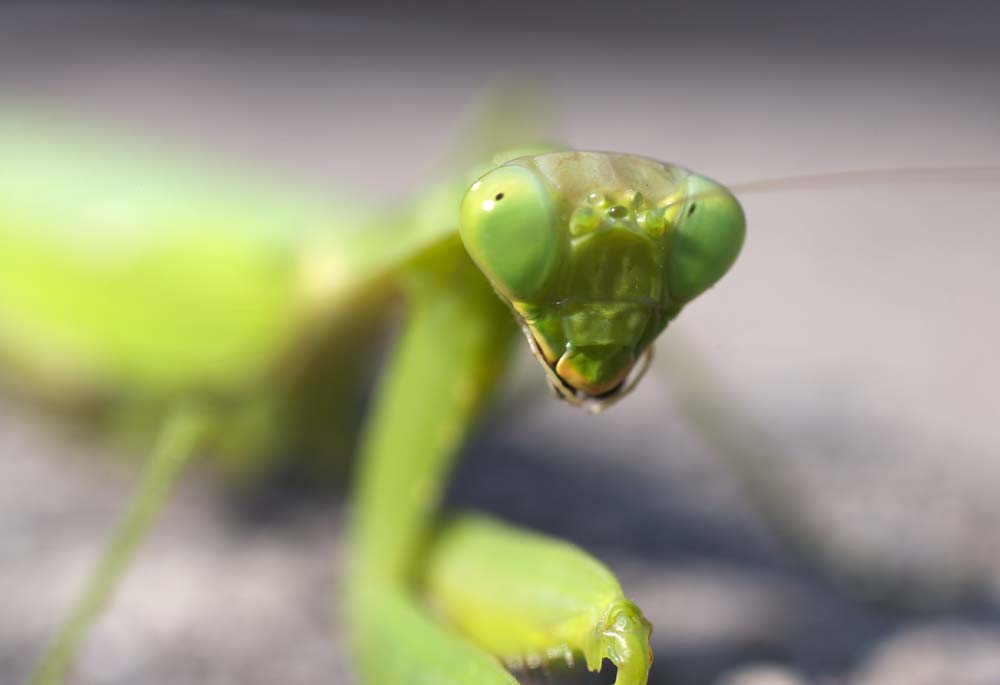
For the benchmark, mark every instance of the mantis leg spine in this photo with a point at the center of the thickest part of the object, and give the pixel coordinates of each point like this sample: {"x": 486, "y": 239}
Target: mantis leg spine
{"x": 532, "y": 599}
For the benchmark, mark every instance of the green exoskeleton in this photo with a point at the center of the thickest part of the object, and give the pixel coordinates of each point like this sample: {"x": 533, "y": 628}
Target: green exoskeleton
{"x": 595, "y": 253}
{"x": 231, "y": 315}
{"x": 529, "y": 599}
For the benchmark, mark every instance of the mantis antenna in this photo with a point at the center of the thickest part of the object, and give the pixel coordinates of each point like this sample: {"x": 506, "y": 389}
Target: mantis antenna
{"x": 902, "y": 175}
{"x": 745, "y": 447}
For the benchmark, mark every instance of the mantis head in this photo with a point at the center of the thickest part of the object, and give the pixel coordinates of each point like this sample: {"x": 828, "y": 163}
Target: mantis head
{"x": 595, "y": 253}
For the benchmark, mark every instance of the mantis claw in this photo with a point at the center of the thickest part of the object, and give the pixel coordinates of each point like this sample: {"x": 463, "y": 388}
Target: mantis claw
{"x": 564, "y": 391}
{"x": 624, "y": 640}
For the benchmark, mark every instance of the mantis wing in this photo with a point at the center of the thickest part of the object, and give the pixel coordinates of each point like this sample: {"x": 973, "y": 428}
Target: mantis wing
{"x": 138, "y": 278}
{"x": 115, "y": 258}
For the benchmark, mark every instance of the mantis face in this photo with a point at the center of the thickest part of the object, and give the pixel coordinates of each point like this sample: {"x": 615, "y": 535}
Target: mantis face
{"x": 595, "y": 253}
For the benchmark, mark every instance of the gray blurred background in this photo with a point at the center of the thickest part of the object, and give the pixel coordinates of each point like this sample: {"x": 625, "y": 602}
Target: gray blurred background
{"x": 809, "y": 479}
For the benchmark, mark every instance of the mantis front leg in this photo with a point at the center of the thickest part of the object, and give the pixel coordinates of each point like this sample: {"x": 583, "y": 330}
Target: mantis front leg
{"x": 448, "y": 360}
{"x": 529, "y": 598}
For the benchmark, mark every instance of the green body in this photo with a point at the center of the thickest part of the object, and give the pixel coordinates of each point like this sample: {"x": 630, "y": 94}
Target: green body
{"x": 131, "y": 279}
{"x": 143, "y": 283}
{"x": 114, "y": 254}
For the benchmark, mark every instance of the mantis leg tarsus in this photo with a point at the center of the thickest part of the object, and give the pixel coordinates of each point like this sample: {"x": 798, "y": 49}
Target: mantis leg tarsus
{"x": 179, "y": 437}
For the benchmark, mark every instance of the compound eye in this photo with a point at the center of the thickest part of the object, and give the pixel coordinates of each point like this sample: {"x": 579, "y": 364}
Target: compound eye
{"x": 508, "y": 227}
{"x": 707, "y": 238}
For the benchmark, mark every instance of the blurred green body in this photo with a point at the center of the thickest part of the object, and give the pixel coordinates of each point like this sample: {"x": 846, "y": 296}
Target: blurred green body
{"x": 104, "y": 300}
{"x": 123, "y": 271}
{"x": 131, "y": 278}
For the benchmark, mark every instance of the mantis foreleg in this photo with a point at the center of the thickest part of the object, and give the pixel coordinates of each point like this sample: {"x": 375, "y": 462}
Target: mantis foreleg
{"x": 449, "y": 357}
{"x": 530, "y": 599}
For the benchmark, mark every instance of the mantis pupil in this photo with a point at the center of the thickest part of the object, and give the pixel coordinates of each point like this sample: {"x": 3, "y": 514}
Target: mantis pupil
{"x": 498, "y": 197}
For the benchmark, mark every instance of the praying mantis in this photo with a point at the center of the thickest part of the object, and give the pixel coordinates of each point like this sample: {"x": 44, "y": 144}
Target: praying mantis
{"x": 104, "y": 275}
{"x": 104, "y": 292}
